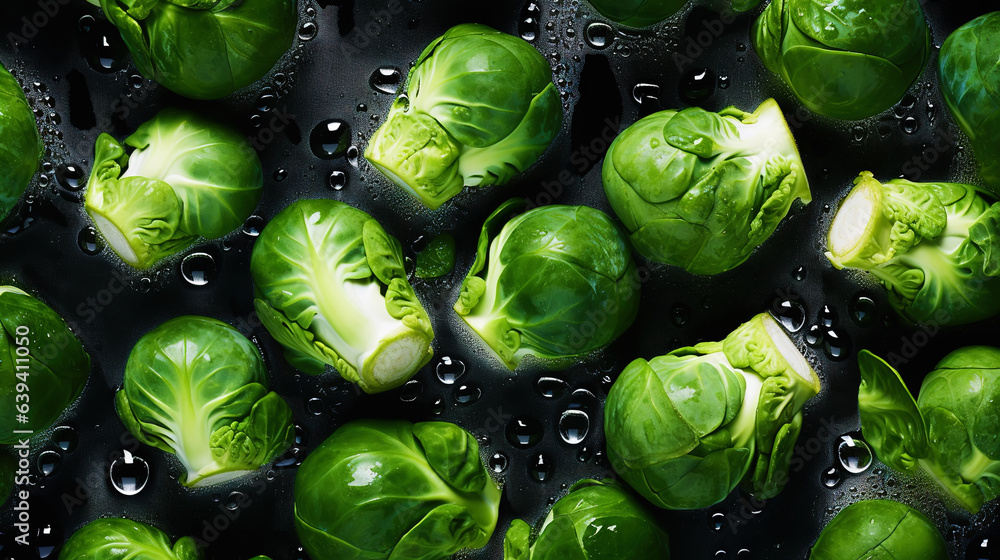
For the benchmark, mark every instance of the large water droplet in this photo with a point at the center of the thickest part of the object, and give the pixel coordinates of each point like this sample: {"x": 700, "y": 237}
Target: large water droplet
{"x": 337, "y": 180}
{"x": 835, "y": 344}
{"x": 524, "y": 432}
{"x": 307, "y": 31}
{"x": 910, "y": 125}
{"x": 598, "y": 35}
{"x": 65, "y": 438}
{"x": 718, "y": 521}
{"x": 814, "y": 336}
{"x": 291, "y": 458}
{"x": 330, "y": 139}
{"x": 831, "y": 477}
{"x": 235, "y": 500}
{"x": 49, "y": 462}
{"x": 854, "y": 454}
{"x": 410, "y": 391}
{"x": 449, "y": 370}
{"x": 574, "y": 425}
{"x": 46, "y": 541}
{"x": 467, "y": 394}
{"x": 103, "y": 47}
{"x": 70, "y": 176}
{"x": 198, "y": 269}
{"x": 541, "y": 469}
{"x": 791, "y": 314}
{"x": 644, "y": 93}
{"x": 129, "y": 474}
{"x": 498, "y": 462}
{"x": 583, "y": 399}
{"x": 862, "y": 310}
{"x": 697, "y": 84}
{"x": 551, "y": 387}
{"x": 315, "y": 406}
{"x": 253, "y": 226}
{"x": 386, "y": 79}
{"x": 88, "y": 241}
{"x": 827, "y": 317}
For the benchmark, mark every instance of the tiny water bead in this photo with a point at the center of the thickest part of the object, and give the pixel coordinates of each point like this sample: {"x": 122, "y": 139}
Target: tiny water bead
{"x": 315, "y": 406}
{"x": 410, "y": 391}
{"x": 70, "y": 176}
{"x": 449, "y": 370}
{"x": 337, "y": 180}
{"x": 835, "y": 344}
{"x": 584, "y": 454}
{"x": 814, "y": 336}
{"x": 65, "y": 438}
{"x": 551, "y": 387}
{"x": 862, "y": 310}
{"x": 49, "y": 462}
{"x": 598, "y": 35}
{"x": 910, "y": 125}
{"x": 523, "y": 432}
{"x": 799, "y": 274}
{"x": 854, "y": 454}
{"x": 574, "y": 425}
{"x": 353, "y": 155}
{"x": 527, "y": 24}
{"x": 198, "y": 269}
{"x": 235, "y": 500}
{"x": 644, "y": 92}
{"x": 307, "y": 31}
{"x": 467, "y": 394}
{"x": 437, "y": 408}
{"x": 541, "y": 468}
{"x": 46, "y": 541}
{"x": 498, "y": 462}
{"x": 386, "y": 79}
{"x": 831, "y": 477}
{"x": 791, "y": 314}
{"x": 827, "y": 317}
{"x": 129, "y": 474}
{"x": 89, "y": 242}
{"x": 718, "y": 521}
{"x": 330, "y": 139}
{"x": 280, "y": 175}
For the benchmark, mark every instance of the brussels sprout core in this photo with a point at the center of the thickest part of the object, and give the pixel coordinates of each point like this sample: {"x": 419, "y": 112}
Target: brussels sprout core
{"x": 114, "y": 237}
{"x": 853, "y": 224}
{"x": 796, "y": 361}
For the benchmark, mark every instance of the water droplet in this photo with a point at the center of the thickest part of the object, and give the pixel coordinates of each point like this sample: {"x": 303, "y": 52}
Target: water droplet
{"x": 697, "y": 84}
{"x": 680, "y": 315}
{"x": 599, "y": 35}
{"x": 910, "y": 125}
{"x": 70, "y": 176}
{"x": 267, "y": 101}
{"x": 129, "y": 474}
{"x": 541, "y": 469}
{"x": 574, "y": 425}
{"x": 858, "y": 133}
{"x": 88, "y": 241}
{"x": 467, "y": 394}
{"x": 743, "y": 554}
{"x": 723, "y": 82}
{"x": 104, "y": 49}
{"x": 235, "y": 500}
{"x": 854, "y": 454}
{"x": 527, "y": 25}
{"x": 386, "y": 79}
{"x": 835, "y": 345}
{"x": 330, "y": 139}
{"x": 353, "y": 155}
{"x": 49, "y": 462}
{"x": 307, "y": 31}
{"x": 46, "y": 541}
{"x": 799, "y": 274}
{"x": 582, "y": 399}
{"x": 644, "y": 91}
{"x": 981, "y": 548}
{"x": 584, "y": 454}
{"x": 862, "y": 310}
{"x": 523, "y": 432}
{"x": 410, "y": 391}
{"x": 437, "y": 408}
{"x": 315, "y": 406}
{"x": 791, "y": 314}
{"x": 720, "y": 554}
{"x": 551, "y": 387}
{"x": 253, "y": 226}
{"x": 337, "y": 180}
{"x": 145, "y": 285}
{"x": 827, "y": 317}
{"x": 449, "y": 370}
{"x": 718, "y": 521}
{"x": 198, "y": 269}
{"x": 498, "y": 462}
{"x": 280, "y": 175}
{"x": 65, "y": 438}
{"x": 831, "y": 477}
{"x": 291, "y": 458}
{"x": 814, "y": 336}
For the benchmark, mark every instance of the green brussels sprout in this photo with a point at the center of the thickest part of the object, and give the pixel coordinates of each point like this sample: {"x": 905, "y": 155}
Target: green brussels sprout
{"x": 21, "y": 150}
{"x": 846, "y": 59}
{"x": 934, "y": 246}
{"x": 188, "y": 177}
{"x": 480, "y": 107}
{"x": 970, "y": 83}
{"x": 380, "y": 489}
{"x": 204, "y": 49}
{"x": 42, "y": 360}
{"x": 556, "y": 282}
{"x": 685, "y": 428}
{"x": 949, "y": 432}
{"x": 637, "y": 13}
{"x": 116, "y": 538}
{"x": 872, "y": 529}
{"x": 7, "y": 467}
{"x": 197, "y": 388}
{"x": 330, "y": 286}
{"x": 702, "y": 190}
{"x": 597, "y": 519}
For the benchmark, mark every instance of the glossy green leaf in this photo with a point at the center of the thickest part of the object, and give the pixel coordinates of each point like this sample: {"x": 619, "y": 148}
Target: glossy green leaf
{"x": 116, "y": 538}
{"x": 890, "y": 420}
{"x": 880, "y": 530}
{"x": 21, "y": 149}
{"x": 437, "y": 258}
{"x": 638, "y": 13}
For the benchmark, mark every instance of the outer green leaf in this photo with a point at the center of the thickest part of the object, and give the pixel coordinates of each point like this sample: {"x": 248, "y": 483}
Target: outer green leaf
{"x": 516, "y": 541}
{"x": 22, "y": 149}
{"x": 115, "y": 538}
{"x": 890, "y": 420}
{"x": 331, "y": 289}
{"x": 638, "y": 13}
{"x": 437, "y": 258}
{"x": 880, "y": 529}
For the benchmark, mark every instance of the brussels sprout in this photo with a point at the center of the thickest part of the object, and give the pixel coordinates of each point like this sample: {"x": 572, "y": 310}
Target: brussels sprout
{"x": 197, "y": 388}
{"x": 702, "y": 190}
{"x": 970, "y": 82}
{"x": 685, "y": 428}
{"x": 188, "y": 177}
{"x": 638, "y": 13}
{"x": 879, "y": 529}
{"x": 949, "y": 432}
{"x": 846, "y": 59}
{"x": 331, "y": 288}
{"x": 21, "y": 150}
{"x": 597, "y": 519}
{"x": 44, "y": 356}
{"x": 558, "y": 282}
{"x": 7, "y": 467}
{"x": 379, "y": 489}
{"x": 116, "y": 538}
{"x": 934, "y": 246}
{"x": 480, "y": 108}
{"x": 204, "y": 49}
